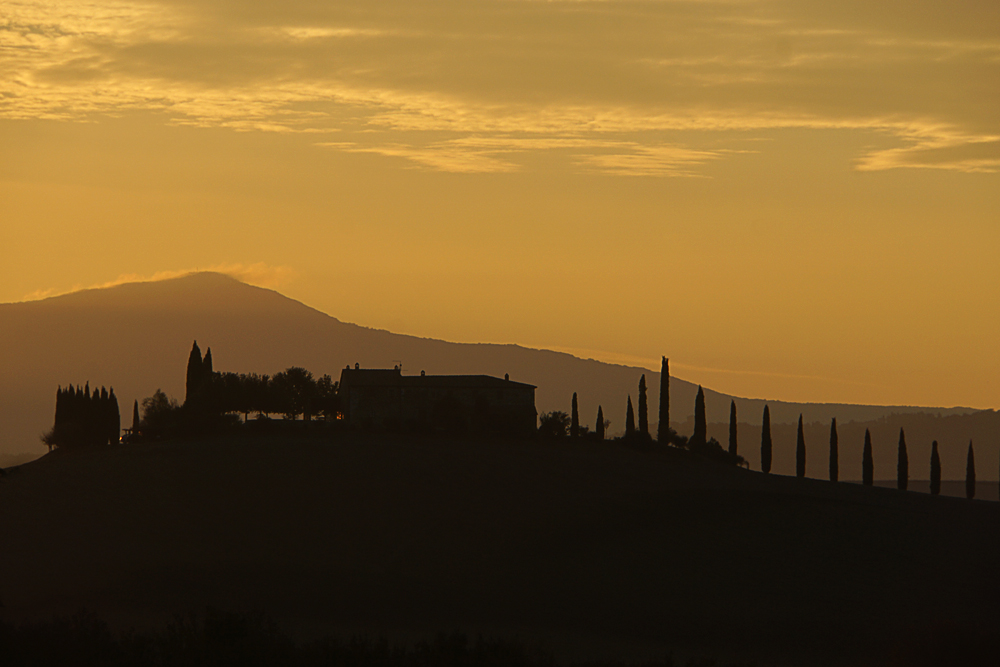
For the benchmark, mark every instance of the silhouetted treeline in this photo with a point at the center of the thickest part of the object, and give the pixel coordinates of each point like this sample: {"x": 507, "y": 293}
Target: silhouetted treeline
{"x": 220, "y": 397}
{"x": 84, "y": 419}
{"x": 221, "y": 639}
{"x": 551, "y": 424}
{"x": 213, "y": 400}
{"x": 292, "y": 393}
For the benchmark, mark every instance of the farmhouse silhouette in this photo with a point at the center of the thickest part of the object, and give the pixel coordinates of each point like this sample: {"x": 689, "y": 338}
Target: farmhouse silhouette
{"x": 387, "y": 399}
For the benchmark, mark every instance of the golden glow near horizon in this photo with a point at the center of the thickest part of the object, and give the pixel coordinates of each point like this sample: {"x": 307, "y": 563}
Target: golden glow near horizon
{"x": 792, "y": 200}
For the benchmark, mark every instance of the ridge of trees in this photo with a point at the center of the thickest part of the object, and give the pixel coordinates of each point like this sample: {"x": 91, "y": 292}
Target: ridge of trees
{"x": 212, "y": 400}
{"x": 217, "y": 399}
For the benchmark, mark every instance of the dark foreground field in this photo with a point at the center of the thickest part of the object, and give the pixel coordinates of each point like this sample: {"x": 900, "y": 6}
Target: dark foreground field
{"x": 597, "y": 550}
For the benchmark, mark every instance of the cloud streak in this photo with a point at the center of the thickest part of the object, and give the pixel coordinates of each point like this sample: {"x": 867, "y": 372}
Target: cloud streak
{"x": 476, "y": 88}
{"x": 259, "y": 274}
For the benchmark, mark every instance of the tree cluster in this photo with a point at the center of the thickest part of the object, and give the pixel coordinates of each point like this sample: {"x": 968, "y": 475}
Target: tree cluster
{"x": 292, "y": 393}
{"x": 84, "y": 419}
{"x": 213, "y": 399}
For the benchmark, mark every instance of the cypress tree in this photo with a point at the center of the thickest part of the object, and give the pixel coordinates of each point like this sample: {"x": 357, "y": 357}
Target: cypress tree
{"x": 96, "y": 422}
{"x": 135, "y": 416}
{"x": 629, "y": 419}
{"x": 935, "y": 469}
{"x": 700, "y": 435}
{"x": 600, "y": 423}
{"x": 663, "y": 427}
{"x": 732, "y": 428}
{"x": 765, "y": 442}
{"x": 60, "y": 417}
{"x": 834, "y": 454}
{"x": 206, "y": 365}
{"x": 868, "y": 462}
{"x": 193, "y": 372}
{"x": 102, "y": 417}
{"x": 643, "y": 408}
{"x": 53, "y": 437}
{"x": 574, "y": 426}
{"x": 114, "y": 418}
{"x": 902, "y": 464}
{"x": 970, "y": 474}
{"x": 800, "y": 452}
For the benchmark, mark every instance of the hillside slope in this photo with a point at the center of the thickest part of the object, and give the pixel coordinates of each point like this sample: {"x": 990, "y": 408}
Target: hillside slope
{"x": 594, "y": 548}
{"x": 137, "y": 336}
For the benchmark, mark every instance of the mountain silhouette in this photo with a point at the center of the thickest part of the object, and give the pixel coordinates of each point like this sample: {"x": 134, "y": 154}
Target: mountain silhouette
{"x": 136, "y": 338}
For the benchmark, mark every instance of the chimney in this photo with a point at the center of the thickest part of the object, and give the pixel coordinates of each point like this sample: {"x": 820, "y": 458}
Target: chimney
{"x": 506, "y": 376}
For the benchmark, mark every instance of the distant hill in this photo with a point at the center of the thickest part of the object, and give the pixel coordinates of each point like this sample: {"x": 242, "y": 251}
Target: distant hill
{"x": 595, "y": 549}
{"x": 137, "y": 336}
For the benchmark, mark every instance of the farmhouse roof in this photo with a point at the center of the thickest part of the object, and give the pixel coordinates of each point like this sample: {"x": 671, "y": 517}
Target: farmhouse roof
{"x": 380, "y": 377}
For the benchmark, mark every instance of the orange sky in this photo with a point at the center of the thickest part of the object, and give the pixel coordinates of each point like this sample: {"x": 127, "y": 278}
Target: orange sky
{"x": 793, "y": 200}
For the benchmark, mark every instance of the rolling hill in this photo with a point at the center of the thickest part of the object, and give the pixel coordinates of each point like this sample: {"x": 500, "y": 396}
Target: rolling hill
{"x": 596, "y": 549}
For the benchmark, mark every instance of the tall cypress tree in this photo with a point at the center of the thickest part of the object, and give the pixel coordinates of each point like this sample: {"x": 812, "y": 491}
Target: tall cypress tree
{"x": 765, "y": 442}
{"x": 194, "y": 372}
{"x": 60, "y": 417}
{"x": 643, "y": 408}
{"x": 574, "y": 425}
{"x": 834, "y": 453}
{"x": 902, "y": 464}
{"x": 700, "y": 435}
{"x": 114, "y": 418}
{"x": 663, "y": 427}
{"x": 629, "y": 419}
{"x": 135, "y": 416}
{"x": 96, "y": 421}
{"x": 868, "y": 462}
{"x": 970, "y": 474}
{"x": 52, "y": 437}
{"x": 206, "y": 365}
{"x": 732, "y": 428}
{"x": 800, "y": 452}
{"x": 600, "y": 423}
{"x": 935, "y": 469}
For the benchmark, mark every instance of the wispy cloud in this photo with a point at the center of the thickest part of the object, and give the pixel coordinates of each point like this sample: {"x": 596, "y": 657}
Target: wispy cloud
{"x": 419, "y": 81}
{"x": 259, "y": 273}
